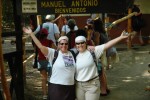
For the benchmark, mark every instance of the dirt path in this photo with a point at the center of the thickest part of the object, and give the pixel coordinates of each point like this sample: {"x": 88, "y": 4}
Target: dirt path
{"x": 129, "y": 78}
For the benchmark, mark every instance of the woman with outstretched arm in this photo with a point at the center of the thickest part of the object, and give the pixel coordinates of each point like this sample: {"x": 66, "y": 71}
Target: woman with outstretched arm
{"x": 61, "y": 84}
{"x": 87, "y": 77}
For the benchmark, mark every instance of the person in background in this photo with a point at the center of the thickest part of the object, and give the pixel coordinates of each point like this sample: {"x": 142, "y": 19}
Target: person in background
{"x": 72, "y": 33}
{"x": 98, "y": 34}
{"x": 90, "y": 31}
{"x": 65, "y": 28}
{"x": 52, "y": 28}
{"x": 43, "y": 63}
{"x": 61, "y": 84}
{"x": 88, "y": 84}
{"x": 137, "y": 25}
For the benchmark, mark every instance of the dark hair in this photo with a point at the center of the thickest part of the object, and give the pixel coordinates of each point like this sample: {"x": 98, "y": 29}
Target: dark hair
{"x": 90, "y": 26}
{"x": 135, "y": 8}
{"x": 81, "y": 32}
{"x": 99, "y": 26}
{"x": 71, "y": 24}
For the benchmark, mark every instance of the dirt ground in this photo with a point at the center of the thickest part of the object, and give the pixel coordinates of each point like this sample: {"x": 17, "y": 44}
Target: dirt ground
{"x": 127, "y": 79}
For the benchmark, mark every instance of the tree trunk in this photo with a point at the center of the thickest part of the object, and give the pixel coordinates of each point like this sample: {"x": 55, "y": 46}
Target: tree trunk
{"x": 2, "y": 71}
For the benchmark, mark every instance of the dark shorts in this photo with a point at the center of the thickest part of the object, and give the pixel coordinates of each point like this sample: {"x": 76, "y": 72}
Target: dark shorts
{"x": 61, "y": 92}
{"x": 43, "y": 65}
{"x": 111, "y": 51}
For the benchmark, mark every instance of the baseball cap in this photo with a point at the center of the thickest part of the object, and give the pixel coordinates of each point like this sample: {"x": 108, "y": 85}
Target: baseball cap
{"x": 50, "y": 17}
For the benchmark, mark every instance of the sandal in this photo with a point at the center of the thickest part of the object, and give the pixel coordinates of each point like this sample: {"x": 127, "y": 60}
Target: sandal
{"x": 108, "y": 91}
{"x": 105, "y": 94}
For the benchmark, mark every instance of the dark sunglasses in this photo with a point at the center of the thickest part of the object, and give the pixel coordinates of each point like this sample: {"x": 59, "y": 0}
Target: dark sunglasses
{"x": 80, "y": 43}
{"x": 63, "y": 43}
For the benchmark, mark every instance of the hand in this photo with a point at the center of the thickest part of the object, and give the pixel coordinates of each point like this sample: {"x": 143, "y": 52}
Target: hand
{"x": 27, "y": 30}
{"x": 91, "y": 48}
{"x": 124, "y": 34}
{"x": 137, "y": 14}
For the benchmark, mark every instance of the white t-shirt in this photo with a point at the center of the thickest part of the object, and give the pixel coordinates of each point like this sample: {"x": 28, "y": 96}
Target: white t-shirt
{"x": 63, "y": 70}
{"x": 85, "y": 65}
{"x": 66, "y": 28}
{"x": 52, "y": 29}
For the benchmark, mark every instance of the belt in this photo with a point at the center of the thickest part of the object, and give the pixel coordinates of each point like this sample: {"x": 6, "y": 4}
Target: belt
{"x": 89, "y": 79}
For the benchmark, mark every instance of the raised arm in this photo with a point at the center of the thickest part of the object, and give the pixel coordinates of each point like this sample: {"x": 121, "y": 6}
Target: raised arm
{"x": 43, "y": 49}
{"x": 116, "y": 40}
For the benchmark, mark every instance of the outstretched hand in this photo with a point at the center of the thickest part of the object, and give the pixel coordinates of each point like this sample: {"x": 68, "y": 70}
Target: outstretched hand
{"x": 27, "y": 30}
{"x": 124, "y": 34}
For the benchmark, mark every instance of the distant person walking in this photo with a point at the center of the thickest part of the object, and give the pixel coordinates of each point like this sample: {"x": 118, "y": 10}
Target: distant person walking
{"x": 137, "y": 25}
{"x": 65, "y": 28}
{"x": 53, "y": 33}
{"x": 52, "y": 28}
{"x": 72, "y": 33}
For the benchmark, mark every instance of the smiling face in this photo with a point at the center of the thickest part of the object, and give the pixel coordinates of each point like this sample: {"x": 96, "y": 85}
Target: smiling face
{"x": 81, "y": 46}
{"x": 63, "y": 45}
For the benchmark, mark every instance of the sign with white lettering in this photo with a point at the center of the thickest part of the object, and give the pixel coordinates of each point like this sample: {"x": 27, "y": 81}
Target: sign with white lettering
{"x": 29, "y": 6}
{"x": 71, "y": 6}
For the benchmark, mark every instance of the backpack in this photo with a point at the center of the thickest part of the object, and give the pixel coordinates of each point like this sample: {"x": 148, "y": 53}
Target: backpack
{"x": 98, "y": 64}
{"x": 103, "y": 38}
{"x": 38, "y": 34}
{"x": 71, "y": 35}
{"x": 137, "y": 23}
{"x": 42, "y": 33}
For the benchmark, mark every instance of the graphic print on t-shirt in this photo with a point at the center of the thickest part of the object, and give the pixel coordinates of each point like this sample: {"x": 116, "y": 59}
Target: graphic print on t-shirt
{"x": 68, "y": 60}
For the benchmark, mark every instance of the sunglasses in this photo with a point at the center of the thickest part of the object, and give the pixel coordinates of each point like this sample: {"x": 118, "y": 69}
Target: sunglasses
{"x": 80, "y": 43}
{"x": 63, "y": 43}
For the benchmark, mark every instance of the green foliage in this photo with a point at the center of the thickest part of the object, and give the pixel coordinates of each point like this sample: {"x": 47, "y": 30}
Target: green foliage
{"x": 7, "y": 16}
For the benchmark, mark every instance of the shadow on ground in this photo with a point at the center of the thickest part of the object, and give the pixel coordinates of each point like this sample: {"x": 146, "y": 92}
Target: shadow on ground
{"x": 129, "y": 78}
